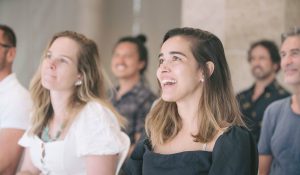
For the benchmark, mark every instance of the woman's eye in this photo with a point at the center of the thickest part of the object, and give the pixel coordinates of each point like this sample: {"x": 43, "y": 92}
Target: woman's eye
{"x": 48, "y": 56}
{"x": 62, "y": 60}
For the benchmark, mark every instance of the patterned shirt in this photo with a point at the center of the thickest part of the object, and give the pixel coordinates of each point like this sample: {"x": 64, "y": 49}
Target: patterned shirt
{"x": 253, "y": 111}
{"x": 134, "y": 106}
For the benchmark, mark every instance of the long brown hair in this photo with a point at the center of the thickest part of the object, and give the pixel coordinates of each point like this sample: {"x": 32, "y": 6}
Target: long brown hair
{"x": 217, "y": 107}
{"x": 92, "y": 87}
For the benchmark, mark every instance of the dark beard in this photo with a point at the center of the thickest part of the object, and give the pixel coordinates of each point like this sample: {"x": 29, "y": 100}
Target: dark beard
{"x": 262, "y": 76}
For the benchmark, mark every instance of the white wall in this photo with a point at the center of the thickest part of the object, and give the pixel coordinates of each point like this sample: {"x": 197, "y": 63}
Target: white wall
{"x": 35, "y": 21}
{"x": 238, "y": 24}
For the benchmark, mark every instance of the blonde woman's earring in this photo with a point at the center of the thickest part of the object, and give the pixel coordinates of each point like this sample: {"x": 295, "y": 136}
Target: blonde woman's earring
{"x": 78, "y": 83}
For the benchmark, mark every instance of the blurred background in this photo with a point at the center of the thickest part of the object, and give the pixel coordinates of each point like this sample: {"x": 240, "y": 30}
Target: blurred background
{"x": 237, "y": 23}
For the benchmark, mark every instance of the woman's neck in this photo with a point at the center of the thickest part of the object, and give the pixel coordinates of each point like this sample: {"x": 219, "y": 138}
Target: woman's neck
{"x": 189, "y": 112}
{"x": 60, "y": 103}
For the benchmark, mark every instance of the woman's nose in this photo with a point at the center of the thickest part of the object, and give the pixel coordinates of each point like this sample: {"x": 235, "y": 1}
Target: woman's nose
{"x": 52, "y": 64}
{"x": 165, "y": 67}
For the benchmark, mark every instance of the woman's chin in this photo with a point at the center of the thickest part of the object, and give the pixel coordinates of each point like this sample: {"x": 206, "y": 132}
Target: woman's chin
{"x": 168, "y": 98}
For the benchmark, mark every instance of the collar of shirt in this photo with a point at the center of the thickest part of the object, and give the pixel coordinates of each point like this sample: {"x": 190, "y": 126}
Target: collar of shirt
{"x": 272, "y": 86}
{"x": 136, "y": 88}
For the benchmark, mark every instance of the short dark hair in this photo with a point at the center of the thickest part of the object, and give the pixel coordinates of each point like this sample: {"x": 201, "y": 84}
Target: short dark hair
{"x": 139, "y": 41}
{"x": 292, "y": 32}
{"x": 9, "y": 35}
{"x": 272, "y": 49}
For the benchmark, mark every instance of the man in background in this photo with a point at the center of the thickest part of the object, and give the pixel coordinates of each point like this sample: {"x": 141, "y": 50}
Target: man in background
{"x": 132, "y": 97}
{"x": 279, "y": 142}
{"x": 264, "y": 60}
{"x": 15, "y": 105}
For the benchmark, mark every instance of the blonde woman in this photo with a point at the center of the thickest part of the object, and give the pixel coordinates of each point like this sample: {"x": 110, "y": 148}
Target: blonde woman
{"x": 74, "y": 130}
{"x": 196, "y": 126}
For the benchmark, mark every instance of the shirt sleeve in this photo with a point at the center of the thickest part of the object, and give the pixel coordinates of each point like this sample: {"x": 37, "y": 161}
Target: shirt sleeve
{"x": 98, "y": 132}
{"x": 267, "y": 129}
{"x": 133, "y": 165}
{"x": 235, "y": 153}
{"x": 16, "y": 114}
{"x": 25, "y": 140}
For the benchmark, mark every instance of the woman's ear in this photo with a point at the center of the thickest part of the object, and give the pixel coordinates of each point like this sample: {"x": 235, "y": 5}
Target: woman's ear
{"x": 79, "y": 76}
{"x": 211, "y": 67}
{"x": 78, "y": 82}
{"x": 201, "y": 75}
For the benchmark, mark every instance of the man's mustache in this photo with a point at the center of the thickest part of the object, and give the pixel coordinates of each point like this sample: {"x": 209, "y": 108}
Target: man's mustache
{"x": 257, "y": 67}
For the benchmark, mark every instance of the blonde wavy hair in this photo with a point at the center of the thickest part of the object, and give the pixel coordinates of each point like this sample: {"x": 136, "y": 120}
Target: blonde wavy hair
{"x": 217, "y": 107}
{"x": 92, "y": 87}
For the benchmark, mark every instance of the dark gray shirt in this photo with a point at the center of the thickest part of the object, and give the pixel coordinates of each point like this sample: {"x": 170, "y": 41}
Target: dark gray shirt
{"x": 280, "y": 138}
{"x": 134, "y": 106}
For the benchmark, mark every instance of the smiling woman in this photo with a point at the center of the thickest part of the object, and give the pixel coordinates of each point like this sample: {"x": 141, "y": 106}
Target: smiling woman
{"x": 72, "y": 123}
{"x": 196, "y": 126}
